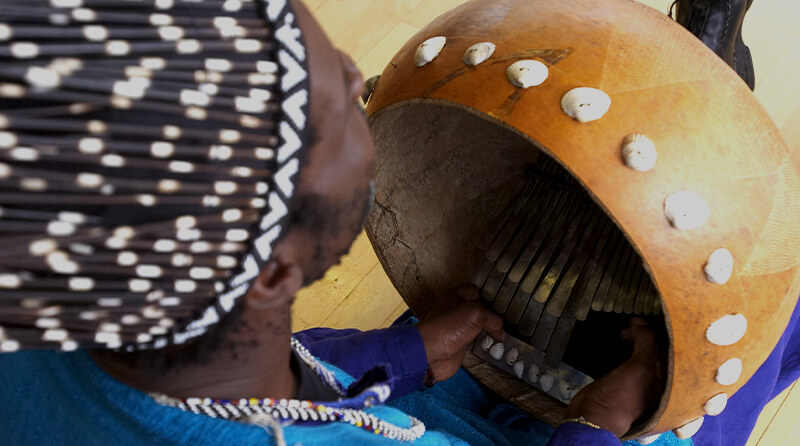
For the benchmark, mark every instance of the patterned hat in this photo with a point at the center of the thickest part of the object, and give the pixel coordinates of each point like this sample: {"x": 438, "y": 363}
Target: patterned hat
{"x": 148, "y": 154}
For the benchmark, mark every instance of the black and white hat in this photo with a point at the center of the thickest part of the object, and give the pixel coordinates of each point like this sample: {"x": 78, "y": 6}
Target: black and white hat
{"x": 149, "y": 150}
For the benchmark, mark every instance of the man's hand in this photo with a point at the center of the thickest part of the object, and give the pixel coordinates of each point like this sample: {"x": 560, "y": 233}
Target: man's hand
{"x": 450, "y": 328}
{"x": 616, "y": 400}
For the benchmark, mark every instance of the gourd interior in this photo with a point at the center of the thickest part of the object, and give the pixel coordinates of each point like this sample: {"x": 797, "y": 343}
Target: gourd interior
{"x": 447, "y": 184}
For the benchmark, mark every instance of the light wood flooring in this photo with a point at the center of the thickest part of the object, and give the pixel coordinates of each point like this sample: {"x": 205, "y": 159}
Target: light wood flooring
{"x": 357, "y": 293}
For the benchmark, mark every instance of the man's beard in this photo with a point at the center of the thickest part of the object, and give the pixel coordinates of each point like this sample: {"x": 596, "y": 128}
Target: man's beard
{"x": 328, "y": 222}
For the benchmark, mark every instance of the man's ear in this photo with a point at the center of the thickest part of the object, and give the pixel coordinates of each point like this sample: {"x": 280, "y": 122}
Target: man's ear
{"x": 276, "y": 285}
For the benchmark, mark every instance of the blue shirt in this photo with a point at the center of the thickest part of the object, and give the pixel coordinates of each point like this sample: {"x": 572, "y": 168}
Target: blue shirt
{"x": 64, "y": 398}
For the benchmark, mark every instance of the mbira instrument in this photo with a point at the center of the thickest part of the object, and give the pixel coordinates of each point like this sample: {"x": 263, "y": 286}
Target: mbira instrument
{"x": 582, "y": 162}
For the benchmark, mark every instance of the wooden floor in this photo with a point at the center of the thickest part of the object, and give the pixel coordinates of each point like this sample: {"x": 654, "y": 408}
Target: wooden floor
{"x": 358, "y": 294}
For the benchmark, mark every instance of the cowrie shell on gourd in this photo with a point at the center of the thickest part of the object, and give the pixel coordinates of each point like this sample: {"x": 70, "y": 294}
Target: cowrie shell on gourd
{"x": 497, "y": 351}
{"x": 429, "y": 50}
{"x": 478, "y": 53}
{"x": 486, "y": 343}
{"x": 716, "y": 404}
{"x": 639, "y": 152}
{"x": 649, "y": 439}
{"x": 546, "y": 382}
{"x": 527, "y": 73}
{"x": 719, "y": 266}
{"x": 728, "y": 330}
{"x": 686, "y": 210}
{"x": 512, "y": 355}
{"x": 533, "y": 373}
{"x": 729, "y": 372}
{"x": 519, "y": 368}
{"x": 585, "y": 104}
{"x": 688, "y": 429}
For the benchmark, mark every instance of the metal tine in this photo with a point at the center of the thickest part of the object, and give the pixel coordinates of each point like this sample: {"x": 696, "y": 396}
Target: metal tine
{"x": 557, "y": 346}
{"x": 626, "y": 282}
{"x": 522, "y": 296}
{"x": 530, "y": 316}
{"x": 499, "y": 239}
{"x": 616, "y": 279}
{"x": 648, "y": 303}
{"x": 641, "y": 293}
{"x": 584, "y": 290}
{"x": 512, "y": 280}
{"x": 558, "y": 203}
{"x": 576, "y": 284}
{"x": 511, "y": 225}
{"x": 544, "y": 292}
{"x": 560, "y": 302}
{"x": 527, "y": 225}
{"x": 566, "y": 251}
{"x": 633, "y": 287}
{"x": 614, "y": 262}
{"x": 656, "y": 302}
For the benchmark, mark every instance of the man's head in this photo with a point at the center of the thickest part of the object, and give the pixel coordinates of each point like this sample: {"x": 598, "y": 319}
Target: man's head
{"x": 186, "y": 187}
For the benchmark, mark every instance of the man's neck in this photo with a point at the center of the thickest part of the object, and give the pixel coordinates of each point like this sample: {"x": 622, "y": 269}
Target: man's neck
{"x": 253, "y": 362}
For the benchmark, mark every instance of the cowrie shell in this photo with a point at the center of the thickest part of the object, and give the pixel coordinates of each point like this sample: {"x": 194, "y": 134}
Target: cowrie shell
{"x": 527, "y": 73}
{"x": 478, "y": 53}
{"x": 512, "y": 355}
{"x": 716, "y": 404}
{"x": 519, "y": 368}
{"x": 486, "y": 343}
{"x": 429, "y": 50}
{"x": 649, "y": 439}
{"x": 688, "y": 429}
{"x": 686, "y": 210}
{"x": 585, "y": 104}
{"x": 639, "y": 152}
{"x": 728, "y": 330}
{"x": 497, "y": 351}
{"x": 533, "y": 373}
{"x": 719, "y": 267}
{"x": 546, "y": 382}
{"x": 729, "y": 372}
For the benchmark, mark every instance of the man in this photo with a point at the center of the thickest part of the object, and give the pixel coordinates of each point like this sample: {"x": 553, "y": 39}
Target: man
{"x": 180, "y": 355}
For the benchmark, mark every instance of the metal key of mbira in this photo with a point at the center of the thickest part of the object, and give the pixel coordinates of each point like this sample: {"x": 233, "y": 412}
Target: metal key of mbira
{"x": 556, "y": 258}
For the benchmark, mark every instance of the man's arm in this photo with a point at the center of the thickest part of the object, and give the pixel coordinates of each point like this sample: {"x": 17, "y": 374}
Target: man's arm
{"x": 440, "y": 341}
{"x": 357, "y": 352}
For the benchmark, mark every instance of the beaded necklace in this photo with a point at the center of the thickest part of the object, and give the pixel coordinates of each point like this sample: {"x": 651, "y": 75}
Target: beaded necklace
{"x": 290, "y": 411}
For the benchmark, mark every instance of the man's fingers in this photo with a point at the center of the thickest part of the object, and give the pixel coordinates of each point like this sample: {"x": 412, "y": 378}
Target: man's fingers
{"x": 493, "y": 324}
{"x": 644, "y": 340}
